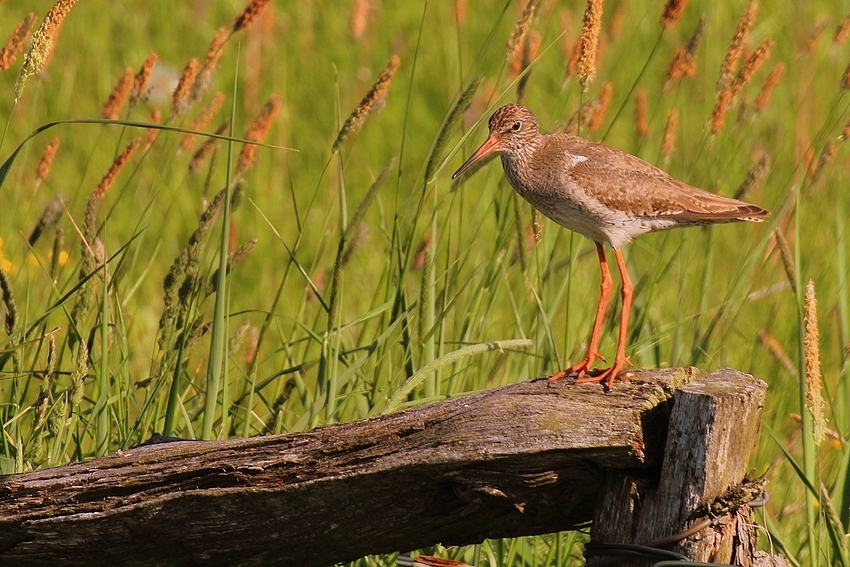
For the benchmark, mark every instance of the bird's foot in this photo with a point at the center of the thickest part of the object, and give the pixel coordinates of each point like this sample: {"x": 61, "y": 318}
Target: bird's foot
{"x": 607, "y": 375}
{"x": 580, "y": 368}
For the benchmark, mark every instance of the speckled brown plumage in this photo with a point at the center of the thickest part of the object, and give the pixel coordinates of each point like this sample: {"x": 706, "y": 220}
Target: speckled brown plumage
{"x": 605, "y": 194}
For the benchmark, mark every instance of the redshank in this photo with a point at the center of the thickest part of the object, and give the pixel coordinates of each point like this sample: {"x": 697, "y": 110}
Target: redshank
{"x": 605, "y": 194}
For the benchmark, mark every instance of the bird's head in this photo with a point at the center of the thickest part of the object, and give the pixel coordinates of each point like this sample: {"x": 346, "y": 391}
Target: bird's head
{"x": 513, "y": 130}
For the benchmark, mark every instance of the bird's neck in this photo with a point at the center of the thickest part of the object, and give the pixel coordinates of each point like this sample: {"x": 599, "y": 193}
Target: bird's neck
{"x": 519, "y": 163}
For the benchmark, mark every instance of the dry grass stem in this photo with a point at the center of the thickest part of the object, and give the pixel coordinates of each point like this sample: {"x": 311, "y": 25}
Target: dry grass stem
{"x": 180, "y": 98}
{"x": 669, "y": 142}
{"x": 842, "y": 32}
{"x": 589, "y": 43}
{"x": 43, "y": 40}
{"x": 115, "y": 169}
{"x": 187, "y": 141}
{"x": 641, "y": 123}
{"x": 787, "y": 257}
{"x": 48, "y": 219}
{"x": 251, "y": 12}
{"x": 754, "y": 177}
{"x": 766, "y": 91}
{"x": 46, "y": 161}
{"x": 673, "y": 11}
{"x": 256, "y": 133}
{"x": 811, "y": 343}
{"x": 374, "y": 98}
{"x": 118, "y": 96}
{"x": 207, "y": 147}
{"x": 517, "y": 37}
{"x": 777, "y": 352}
{"x": 15, "y": 45}
{"x": 140, "y": 90}
{"x": 598, "y": 115}
{"x": 736, "y": 48}
{"x": 359, "y": 19}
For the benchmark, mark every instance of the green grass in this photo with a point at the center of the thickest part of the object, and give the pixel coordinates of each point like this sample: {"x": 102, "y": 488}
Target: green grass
{"x": 340, "y": 303}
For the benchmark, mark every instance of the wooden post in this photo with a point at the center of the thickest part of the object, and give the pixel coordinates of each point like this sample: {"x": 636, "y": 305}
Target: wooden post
{"x": 713, "y": 428}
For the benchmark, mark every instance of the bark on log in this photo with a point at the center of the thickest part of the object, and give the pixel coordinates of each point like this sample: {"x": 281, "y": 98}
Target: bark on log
{"x": 713, "y": 429}
{"x": 523, "y": 459}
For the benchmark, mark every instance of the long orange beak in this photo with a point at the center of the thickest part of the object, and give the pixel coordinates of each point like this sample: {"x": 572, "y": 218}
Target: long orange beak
{"x": 488, "y": 147}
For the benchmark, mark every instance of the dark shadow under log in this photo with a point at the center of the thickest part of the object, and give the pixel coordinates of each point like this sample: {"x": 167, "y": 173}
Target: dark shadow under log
{"x": 528, "y": 458}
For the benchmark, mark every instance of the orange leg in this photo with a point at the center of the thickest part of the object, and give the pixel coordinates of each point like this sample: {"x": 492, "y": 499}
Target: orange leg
{"x": 620, "y": 360}
{"x": 593, "y": 348}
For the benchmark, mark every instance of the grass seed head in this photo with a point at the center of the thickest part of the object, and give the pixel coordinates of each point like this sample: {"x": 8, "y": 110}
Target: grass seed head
{"x": 359, "y": 19}
{"x": 721, "y": 106}
{"x": 518, "y": 34}
{"x": 79, "y": 374}
{"x": 777, "y": 352}
{"x": 589, "y": 43}
{"x": 845, "y": 79}
{"x": 766, "y": 91}
{"x": 457, "y": 112}
{"x": 118, "y": 96}
{"x": 673, "y": 11}
{"x": 787, "y": 257}
{"x": 251, "y": 12}
{"x": 605, "y": 96}
{"x": 181, "y": 97}
{"x": 811, "y": 343}
{"x": 140, "y": 90}
{"x": 752, "y": 65}
{"x": 11, "y": 319}
{"x": 641, "y": 123}
{"x": 187, "y": 141}
{"x": 48, "y": 219}
{"x": 736, "y": 48}
{"x": 754, "y": 177}
{"x": 203, "y": 80}
{"x": 43, "y": 41}
{"x": 115, "y": 169}
{"x": 669, "y": 142}
{"x": 15, "y": 45}
{"x": 842, "y": 32}
{"x": 374, "y": 98}
{"x": 46, "y": 161}
{"x": 257, "y": 132}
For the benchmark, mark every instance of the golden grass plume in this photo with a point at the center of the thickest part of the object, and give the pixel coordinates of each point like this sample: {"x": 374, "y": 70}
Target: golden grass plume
{"x": 183, "y": 90}
{"x": 359, "y": 19}
{"x": 46, "y": 161}
{"x": 140, "y": 91}
{"x": 641, "y": 123}
{"x": 751, "y": 67}
{"x": 589, "y": 43}
{"x": 15, "y": 44}
{"x": 766, "y": 90}
{"x": 598, "y": 114}
{"x": 842, "y": 32}
{"x": 251, "y": 12}
{"x": 373, "y": 99}
{"x": 115, "y": 169}
{"x": 684, "y": 63}
{"x": 43, "y": 41}
{"x": 736, "y": 47}
{"x": 787, "y": 257}
{"x": 187, "y": 141}
{"x": 517, "y": 37}
{"x": 777, "y": 352}
{"x": 673, "y": 11}
{"x": 256, "y": 133}
{"x": 669, "y": 142}
{"x": 207, "y": 147}
{"x": 118, "y": 96}
{"x": 811, "y": 343}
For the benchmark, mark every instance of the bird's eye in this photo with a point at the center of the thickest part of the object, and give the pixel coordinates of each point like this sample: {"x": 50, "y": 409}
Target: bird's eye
{"x": 516, "y": 126}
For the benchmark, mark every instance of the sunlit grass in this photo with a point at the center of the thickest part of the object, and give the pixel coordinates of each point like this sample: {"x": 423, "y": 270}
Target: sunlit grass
{"x": 371, "y": 264}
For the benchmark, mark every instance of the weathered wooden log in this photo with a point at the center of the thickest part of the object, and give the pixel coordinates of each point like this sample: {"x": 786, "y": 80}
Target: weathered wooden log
{"x": 702, "y": 487}
{"x": 523, "y": 459}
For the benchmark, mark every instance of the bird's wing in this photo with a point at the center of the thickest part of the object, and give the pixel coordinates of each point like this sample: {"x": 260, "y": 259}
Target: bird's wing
{"x": 649, "y": 191}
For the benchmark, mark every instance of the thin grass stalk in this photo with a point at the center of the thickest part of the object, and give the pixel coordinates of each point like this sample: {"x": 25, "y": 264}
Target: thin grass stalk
{"x": 102, "y": 431}
{"x": 218, "y": 337}
{"x": 427, "y": 305}
{"x": 806, "y": 423}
